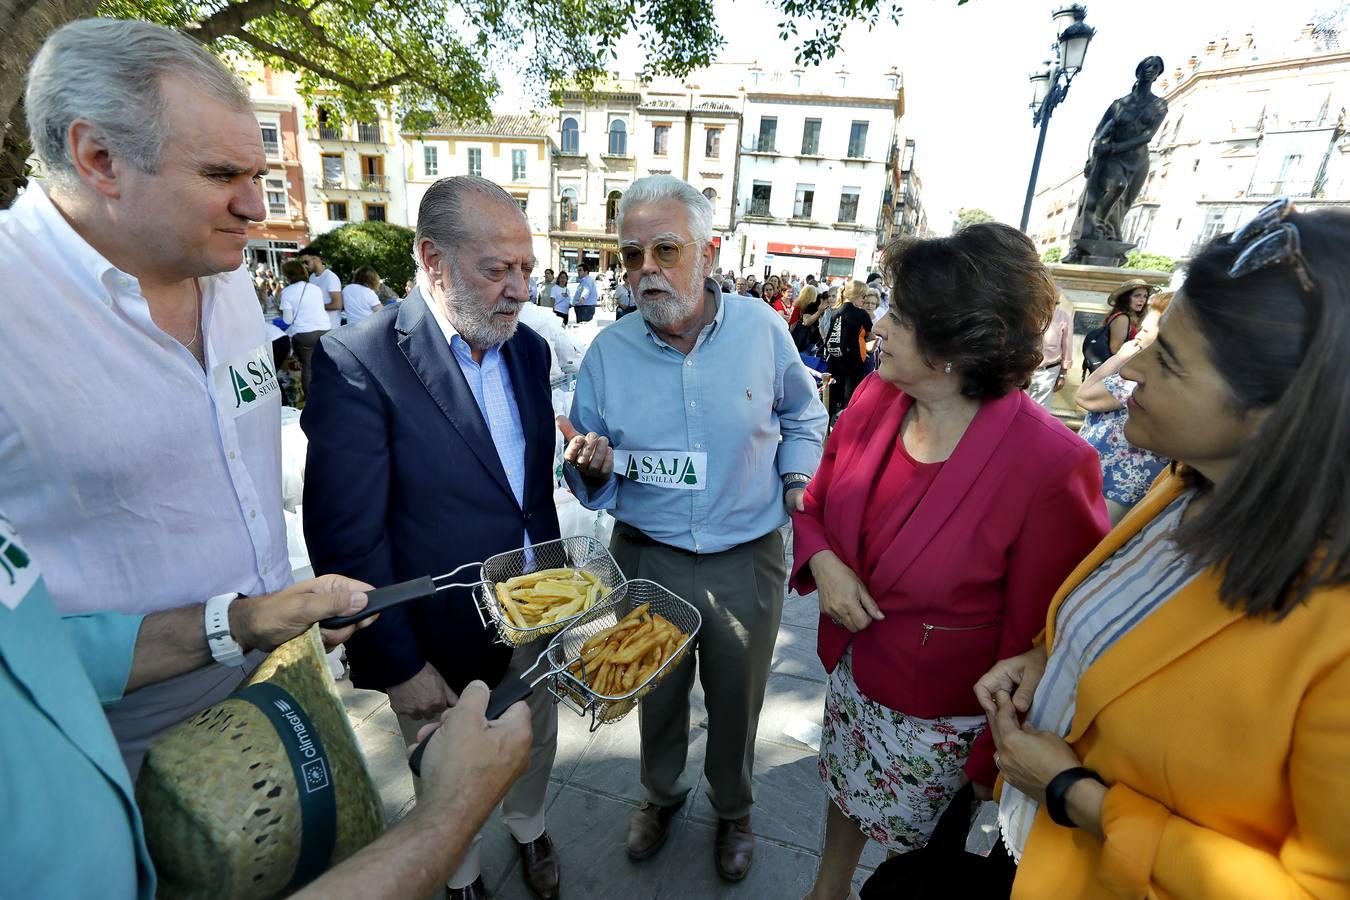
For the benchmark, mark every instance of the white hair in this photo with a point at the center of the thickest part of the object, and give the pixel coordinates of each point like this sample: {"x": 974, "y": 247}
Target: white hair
{"x": 108, "y": 73}
{"x": 655, "y": 188}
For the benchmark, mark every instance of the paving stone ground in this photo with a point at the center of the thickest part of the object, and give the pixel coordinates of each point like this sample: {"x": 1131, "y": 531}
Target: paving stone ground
{"x": 595, "y": 787}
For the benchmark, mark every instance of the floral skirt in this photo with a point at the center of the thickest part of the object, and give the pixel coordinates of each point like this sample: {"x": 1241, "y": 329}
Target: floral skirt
{"x": 890, "y": 773}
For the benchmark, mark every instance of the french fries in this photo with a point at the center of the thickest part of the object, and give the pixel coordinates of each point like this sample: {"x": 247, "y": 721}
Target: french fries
{"x": 623, "y": 656}
{"x": 548, "y": 596}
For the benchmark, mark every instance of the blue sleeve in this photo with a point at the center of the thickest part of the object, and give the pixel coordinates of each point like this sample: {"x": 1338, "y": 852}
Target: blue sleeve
{"x": 106, "y": 646}
{"x": 801, "y": 415}
{"x": 586, "y": 416}
{"x": 346, "y": 503}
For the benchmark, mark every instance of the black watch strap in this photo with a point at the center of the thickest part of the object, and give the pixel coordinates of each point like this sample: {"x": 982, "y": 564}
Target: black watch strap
{"x": 1057, "y": 791}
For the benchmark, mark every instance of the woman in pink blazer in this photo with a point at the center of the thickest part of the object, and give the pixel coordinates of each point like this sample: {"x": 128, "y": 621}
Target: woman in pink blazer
{"x": 948, "y": 509}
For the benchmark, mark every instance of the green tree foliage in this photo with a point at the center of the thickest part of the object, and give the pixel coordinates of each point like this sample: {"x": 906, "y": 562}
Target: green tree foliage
{"x": 1137, "y": 259}
{"x": 383, "y": 245}
{"x": 970, "y": 216}
{"x": 1053, "y": 255}
{"x": 425, "y": 56}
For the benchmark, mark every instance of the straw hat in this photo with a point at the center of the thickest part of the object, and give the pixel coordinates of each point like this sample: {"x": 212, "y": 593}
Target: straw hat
{"x": 1129, "y": 286}
{"x": 225, "y": 813}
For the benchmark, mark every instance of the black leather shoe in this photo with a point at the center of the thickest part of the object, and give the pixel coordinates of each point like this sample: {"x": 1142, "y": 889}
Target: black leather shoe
{"x": 474, "y": 890}
{"x": 539, "y": 862}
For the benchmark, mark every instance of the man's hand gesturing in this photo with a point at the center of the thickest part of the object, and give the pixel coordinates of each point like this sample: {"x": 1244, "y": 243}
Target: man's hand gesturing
{"x": 591, "y": 453}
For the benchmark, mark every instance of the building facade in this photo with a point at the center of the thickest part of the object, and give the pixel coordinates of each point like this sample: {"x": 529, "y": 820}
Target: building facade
{"x": 515, "y": 151}
{"x": 286, "y": 227}
{"x": 354, "y": 170}
{"x": 815, "y": 161}
{"x": 595, "y": 163}
{"x": 902, "y": 212}
{"x": 691, "y": 130}
{"x": 1242, "y": 128}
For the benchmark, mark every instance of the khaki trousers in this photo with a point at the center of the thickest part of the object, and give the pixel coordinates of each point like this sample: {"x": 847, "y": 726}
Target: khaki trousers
{"x": 523, "y": 806}
{"x": 739, "y": 593}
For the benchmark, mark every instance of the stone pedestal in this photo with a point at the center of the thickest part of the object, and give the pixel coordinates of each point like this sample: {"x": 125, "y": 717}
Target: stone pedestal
{"x": 1103, "y": 253}
{"x": 1085, "y": 289}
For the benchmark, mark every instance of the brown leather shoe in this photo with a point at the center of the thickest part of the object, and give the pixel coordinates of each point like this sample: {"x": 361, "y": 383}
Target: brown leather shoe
{"x": 542, "y": 873}
{"x": 647, "y": 829}
{"x": 735, "y": 848}
{"x": 474, "y": 890}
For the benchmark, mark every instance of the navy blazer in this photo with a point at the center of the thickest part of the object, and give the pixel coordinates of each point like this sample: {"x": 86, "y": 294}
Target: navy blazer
{"x": 402, "y": 480}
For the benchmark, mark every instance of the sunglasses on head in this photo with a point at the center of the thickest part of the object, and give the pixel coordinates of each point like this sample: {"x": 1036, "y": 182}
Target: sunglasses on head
{"x": 1271, "y": 240}
{"x": 667, "y": 254}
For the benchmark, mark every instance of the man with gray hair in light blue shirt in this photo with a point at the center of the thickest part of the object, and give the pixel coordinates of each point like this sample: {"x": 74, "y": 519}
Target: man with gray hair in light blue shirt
{"x": 697, "y": 426}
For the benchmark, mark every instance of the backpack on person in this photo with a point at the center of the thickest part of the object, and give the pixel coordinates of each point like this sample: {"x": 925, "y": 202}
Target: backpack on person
{"x": 1097, "y": 345}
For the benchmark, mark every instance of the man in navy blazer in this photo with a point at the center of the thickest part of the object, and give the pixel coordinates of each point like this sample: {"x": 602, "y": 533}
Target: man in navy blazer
{"x": 430, "y": 431}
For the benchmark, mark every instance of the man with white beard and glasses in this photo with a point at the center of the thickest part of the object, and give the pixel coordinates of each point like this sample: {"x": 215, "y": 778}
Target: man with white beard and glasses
{"x": 697, "y": 426}
{"x": 431, "y": 446}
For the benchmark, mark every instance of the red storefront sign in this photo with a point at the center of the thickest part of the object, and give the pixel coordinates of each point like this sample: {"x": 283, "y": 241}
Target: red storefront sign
{"x": 807, "y": 250}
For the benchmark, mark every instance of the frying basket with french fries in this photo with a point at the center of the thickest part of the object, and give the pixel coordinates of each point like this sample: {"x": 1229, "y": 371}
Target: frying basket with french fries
{"x": 535, "y": 591}
{"x": 612, "y": 656}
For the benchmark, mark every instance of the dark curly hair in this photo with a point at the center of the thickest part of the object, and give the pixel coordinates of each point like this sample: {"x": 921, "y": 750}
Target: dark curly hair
{"x": 980, "y": 300}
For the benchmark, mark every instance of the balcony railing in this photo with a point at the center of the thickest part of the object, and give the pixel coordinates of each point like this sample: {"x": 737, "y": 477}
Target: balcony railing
{"x": 1302, "y": 187}
{"x": 368, "y": 132}
{"x": 565, "y": 224}
{"x": 276, "y": 210}
{"x": 372, "y": 182}
{"x": 333, "y": 182}
{"x": 759, "y": 208}
{"x": 611, "y": 226}
{"x": 272, "y": 149}
{"x": 330, "y": 133}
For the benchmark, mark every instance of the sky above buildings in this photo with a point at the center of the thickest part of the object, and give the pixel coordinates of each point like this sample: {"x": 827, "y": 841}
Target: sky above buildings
{"x": 966, "y": 68}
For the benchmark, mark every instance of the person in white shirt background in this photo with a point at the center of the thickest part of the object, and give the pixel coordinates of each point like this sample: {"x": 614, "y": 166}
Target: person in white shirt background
{"x": 361, "y": 297}
{"x": 326, "y": 279}
{"x": 566, "y": 358}
{"x": 142, "y": 461}
{"x": 587, "y": 295}
{"x": 561, "y": 297}
{"x": 302, "y": 309}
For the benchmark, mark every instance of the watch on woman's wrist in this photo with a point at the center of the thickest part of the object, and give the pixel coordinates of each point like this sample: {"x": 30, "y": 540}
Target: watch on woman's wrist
{"x": 795, "y": 480}
{"x": 1057, "y": 793}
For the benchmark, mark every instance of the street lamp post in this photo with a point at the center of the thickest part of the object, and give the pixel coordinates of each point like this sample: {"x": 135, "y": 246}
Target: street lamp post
{"x": 1050, "y": 85}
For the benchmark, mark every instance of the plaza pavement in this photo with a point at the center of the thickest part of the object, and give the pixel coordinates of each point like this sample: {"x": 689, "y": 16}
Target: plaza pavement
{"x": 595, "y": 786}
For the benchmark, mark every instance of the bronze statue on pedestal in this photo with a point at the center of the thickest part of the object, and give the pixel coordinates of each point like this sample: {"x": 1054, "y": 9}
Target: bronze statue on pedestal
{"x": 1117, "y": 167}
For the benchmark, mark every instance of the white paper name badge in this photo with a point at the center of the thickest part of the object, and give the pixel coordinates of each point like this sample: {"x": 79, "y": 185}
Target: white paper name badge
{"x": 18, "y": 572}
{"x": 676, "y": 470}
{"x": 245, "y": 382}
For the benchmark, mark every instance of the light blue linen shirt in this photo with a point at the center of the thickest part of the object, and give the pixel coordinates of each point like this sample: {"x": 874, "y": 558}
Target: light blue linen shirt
{"x": 742, "y": 396}
{"x": 75, "y": 829}
{"x": 587, "y": 293}
{"x": 490, "y": 384}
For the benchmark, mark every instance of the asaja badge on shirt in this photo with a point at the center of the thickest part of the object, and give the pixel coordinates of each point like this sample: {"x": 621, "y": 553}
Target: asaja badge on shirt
{"x": 18, "y": 572}
{"x": 246, "y": 381}
{"x": 677, "y": 470}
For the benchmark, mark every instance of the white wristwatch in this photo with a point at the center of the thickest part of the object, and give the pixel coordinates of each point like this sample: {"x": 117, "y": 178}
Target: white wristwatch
{"x": 224, "y": 648}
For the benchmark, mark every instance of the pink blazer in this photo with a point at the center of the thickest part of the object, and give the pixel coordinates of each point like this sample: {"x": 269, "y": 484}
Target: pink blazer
{"x": 967, "y": 579}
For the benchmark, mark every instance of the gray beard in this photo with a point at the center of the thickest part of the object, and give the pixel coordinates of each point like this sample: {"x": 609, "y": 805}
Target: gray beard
{"x": 681, "y": 305}
{"x": 466, "y": 309}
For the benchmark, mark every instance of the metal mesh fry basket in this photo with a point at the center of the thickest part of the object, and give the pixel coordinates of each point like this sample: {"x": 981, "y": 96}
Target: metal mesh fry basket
{"x": 583, "y": 553}
{"x": 565, "y": 649}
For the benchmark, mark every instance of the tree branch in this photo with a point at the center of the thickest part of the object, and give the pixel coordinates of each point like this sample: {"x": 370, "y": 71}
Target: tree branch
{"x": 323, "y": 71}
{"x": 230, "y": 20}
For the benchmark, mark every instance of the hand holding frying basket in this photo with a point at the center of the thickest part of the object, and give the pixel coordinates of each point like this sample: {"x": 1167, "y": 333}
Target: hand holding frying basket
{"x": 554, "y": 666}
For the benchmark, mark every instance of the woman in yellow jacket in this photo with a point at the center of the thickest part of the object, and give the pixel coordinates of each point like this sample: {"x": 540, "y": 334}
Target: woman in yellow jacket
{"x": 1188, "y": 733}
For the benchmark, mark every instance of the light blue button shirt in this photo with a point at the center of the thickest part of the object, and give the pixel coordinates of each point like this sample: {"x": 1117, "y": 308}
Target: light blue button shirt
{"x": 75, "y": 830}
{"x": 587, "y": 293}
{"x": 742, "y": 396}
{"x": 491, "y": 386}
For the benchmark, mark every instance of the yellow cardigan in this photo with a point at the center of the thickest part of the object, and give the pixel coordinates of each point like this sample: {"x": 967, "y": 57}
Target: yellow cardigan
{"x": 1226, "y": 744}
